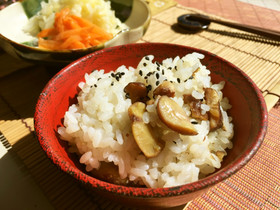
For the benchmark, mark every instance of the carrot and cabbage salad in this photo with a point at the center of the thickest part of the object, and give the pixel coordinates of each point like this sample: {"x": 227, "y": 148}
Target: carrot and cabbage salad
{"x": 71, "y": 32}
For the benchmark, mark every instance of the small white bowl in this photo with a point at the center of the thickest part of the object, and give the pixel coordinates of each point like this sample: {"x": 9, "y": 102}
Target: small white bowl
{"x": 12, "y": 35}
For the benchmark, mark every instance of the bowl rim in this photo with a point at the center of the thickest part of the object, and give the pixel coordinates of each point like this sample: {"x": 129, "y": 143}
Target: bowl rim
{"x": 141, "y": 192}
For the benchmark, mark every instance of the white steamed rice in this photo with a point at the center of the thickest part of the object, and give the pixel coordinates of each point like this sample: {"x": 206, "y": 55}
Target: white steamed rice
{"x": 98, "y": 12}
{"x": 99, "y": 126}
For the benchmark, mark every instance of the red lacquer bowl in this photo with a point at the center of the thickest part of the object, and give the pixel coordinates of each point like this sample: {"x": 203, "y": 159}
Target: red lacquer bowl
{"x": 248, "y": 111}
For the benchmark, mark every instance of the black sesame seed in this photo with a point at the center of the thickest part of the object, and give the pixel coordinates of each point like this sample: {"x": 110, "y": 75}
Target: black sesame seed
{"x": 191, "y": 77}
{"x": 122, "y": 73}
{"x": 147, "y": 58}
{"x": 162, "y": 72}
{"x": 140, "y": 72}
{"x": 194, "y": 122}
{"x": 157, "y": 83}
{"x": 95, "y": 85}
{"x": 178, "y": 80}
{"x": 126, "y": 95}
{"x": 175, "y": 68}
{"x": 112, "y": 74}
{"x": 117, "y": 78}
{"x": 157, "y": 63}
{"x": 169, "y": 68}
{"x": 146, "y": 77}
{"x": 112, "y": 83}
{"x": 144, "y": 64}
{"x": 98, "y": 79}
{"x": 157, "y": 75}
{"x": 158, "y": 68}
{"x": 91, "y": 86}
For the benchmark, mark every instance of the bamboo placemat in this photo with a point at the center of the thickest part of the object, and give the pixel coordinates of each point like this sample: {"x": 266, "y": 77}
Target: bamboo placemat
{"x": 255, "y": 186}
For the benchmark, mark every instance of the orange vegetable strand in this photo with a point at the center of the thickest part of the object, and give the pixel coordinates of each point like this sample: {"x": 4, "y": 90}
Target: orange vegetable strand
{"x": 71, "y": 32}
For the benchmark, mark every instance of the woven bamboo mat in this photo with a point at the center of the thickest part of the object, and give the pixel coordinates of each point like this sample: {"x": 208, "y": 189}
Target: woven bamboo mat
{"x": 255, "y": 186}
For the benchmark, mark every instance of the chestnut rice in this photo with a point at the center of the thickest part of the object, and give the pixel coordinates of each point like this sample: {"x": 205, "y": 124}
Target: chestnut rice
{"x": 159, "y": 125}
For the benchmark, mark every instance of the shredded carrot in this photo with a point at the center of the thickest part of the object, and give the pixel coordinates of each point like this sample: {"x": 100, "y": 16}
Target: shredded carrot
{"x": 71, "y": 32}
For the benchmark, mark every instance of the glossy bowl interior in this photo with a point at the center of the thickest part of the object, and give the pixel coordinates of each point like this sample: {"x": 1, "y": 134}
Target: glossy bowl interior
{"x": 137, "y": 19}
{"x": 248, "y": 111}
